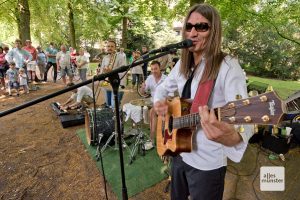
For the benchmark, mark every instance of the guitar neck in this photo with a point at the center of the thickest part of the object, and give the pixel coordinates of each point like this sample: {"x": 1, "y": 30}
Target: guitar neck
{"x": 186, "y": 121}
{"x": 264, "y": 109}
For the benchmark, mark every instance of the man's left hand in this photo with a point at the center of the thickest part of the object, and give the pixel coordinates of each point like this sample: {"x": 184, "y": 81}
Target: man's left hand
{"x": 216, "y": 130}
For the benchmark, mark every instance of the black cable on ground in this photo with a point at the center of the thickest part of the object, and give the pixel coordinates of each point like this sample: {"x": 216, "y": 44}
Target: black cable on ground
{"x": 239, "y": 175}
{"x": 95, "y": 131}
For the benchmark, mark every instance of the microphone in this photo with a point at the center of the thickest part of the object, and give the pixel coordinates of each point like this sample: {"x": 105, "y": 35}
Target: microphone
{"x": 180, "y": 45}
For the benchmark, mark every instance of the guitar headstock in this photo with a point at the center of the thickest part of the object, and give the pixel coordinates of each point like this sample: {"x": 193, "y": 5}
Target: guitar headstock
{"x": 265, "y": 109}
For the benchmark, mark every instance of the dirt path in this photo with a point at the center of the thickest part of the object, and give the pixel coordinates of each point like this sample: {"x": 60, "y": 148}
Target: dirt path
{"x": 41, "y": 160}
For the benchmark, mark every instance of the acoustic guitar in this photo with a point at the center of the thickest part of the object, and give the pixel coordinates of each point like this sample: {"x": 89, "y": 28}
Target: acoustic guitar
{"x": 175, "y": 130}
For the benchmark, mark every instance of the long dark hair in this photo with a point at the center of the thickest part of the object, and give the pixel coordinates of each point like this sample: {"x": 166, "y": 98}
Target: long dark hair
{"x": 212, "y": 52}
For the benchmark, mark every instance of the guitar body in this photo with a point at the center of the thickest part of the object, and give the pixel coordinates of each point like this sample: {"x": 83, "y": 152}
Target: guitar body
{"x": 172, "y": 141}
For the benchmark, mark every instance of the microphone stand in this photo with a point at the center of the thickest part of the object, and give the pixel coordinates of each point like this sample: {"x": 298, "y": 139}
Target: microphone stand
{"x": 115, "y": 83}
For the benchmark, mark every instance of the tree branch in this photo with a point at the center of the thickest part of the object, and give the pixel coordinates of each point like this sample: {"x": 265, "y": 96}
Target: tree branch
{"x": 272, "y": 24}
{"x": 4, "y": 2}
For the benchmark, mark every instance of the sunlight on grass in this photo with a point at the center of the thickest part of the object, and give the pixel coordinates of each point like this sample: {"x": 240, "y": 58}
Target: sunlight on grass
{"x": 283, "y": 88}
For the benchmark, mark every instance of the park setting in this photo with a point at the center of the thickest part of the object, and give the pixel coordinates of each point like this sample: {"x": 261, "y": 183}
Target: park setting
{"x": 156, "y": 99}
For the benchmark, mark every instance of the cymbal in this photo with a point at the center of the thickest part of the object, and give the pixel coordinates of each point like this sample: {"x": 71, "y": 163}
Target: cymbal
{"x": 141, "y": 102}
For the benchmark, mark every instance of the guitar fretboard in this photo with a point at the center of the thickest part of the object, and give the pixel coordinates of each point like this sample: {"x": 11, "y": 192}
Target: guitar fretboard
{"x": 186, "y": 121}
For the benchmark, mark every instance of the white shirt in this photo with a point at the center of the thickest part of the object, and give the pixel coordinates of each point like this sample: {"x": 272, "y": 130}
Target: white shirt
{"x": 64, "y": 59}
{"x": 207, "y": 154}
{"x": 151, "y": 84}
{"x": 80, "y": 59}
{"x": 81, "y": 92}
{"x": 137, "y": 69}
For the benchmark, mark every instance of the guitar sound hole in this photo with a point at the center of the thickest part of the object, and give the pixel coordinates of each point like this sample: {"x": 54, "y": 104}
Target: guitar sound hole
{"x": 170, "y": 127}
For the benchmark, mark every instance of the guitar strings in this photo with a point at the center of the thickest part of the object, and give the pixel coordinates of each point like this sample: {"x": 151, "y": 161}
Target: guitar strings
{"x": 192, "y": 119}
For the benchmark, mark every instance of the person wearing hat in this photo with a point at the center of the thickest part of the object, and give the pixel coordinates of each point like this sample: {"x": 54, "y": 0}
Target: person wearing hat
{"x": 137, "y": 71}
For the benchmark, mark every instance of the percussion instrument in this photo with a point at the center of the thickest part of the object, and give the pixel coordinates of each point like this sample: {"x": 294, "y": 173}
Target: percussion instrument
{"x": 68, "y": 119}
{"x": 105, "y": 125}
{"x": 142, "y": 102}
{"x": 56, "y": 108}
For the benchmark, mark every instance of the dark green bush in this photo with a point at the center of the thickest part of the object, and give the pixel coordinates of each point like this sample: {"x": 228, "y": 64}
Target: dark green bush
{"x": 258, "y": 86}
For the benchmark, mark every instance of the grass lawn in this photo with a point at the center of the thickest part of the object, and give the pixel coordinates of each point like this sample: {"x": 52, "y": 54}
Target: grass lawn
{"x": 283, "y": 88}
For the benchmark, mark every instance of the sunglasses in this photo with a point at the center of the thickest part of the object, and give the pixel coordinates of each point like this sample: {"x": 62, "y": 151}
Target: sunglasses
{"x": 199, "y": 27}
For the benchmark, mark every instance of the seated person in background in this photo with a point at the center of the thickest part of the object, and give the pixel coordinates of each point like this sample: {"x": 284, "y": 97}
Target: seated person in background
{"x": 150, "y": 85}
{"x": 82, "y": 96}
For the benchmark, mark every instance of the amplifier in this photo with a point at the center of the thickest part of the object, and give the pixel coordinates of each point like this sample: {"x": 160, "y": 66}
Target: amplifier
{"x": 71, "y": 120}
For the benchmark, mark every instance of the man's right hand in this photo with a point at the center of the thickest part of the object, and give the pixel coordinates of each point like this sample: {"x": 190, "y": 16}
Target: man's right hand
{"x": 161, "y": 107}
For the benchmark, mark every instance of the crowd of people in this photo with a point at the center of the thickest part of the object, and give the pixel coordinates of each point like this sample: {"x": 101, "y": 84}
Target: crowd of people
{"x": 37, "y": 62}
{"x": 22, "y": 66}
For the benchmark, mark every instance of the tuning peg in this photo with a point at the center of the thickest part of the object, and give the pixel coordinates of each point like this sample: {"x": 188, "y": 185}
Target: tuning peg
{"x": 247, "y": 119}
{"x": 231, "y": 105}
{"x": 253, "y": 93}
{"x": 238, "y": 96}
{"x": 269, "y": 88}
{"x": 265, "y": 118}
{"x": 241, "y": 129}
{"x": 275, "y": 130}
{"x": 232, "y": 119}
{"x": 255, "y": 128}
{"x": 263, "y": 98}
{"x": 246, "y": 102}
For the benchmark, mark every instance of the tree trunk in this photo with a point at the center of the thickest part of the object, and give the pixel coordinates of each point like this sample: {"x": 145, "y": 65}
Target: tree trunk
{"x": 193, "y": 2}
{"x": 124, "y": 29}
{"x": 72, "y": 36}
{"x": 23, "y": 20}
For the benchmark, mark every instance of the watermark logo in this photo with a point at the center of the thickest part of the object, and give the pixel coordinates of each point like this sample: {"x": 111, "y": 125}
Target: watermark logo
{"x": 272, "y": 178}
{"x": 272, "y": 107}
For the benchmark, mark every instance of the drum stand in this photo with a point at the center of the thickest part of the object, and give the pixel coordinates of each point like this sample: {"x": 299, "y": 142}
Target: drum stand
{"x": 139, "y": 144}
{"x": 113, "y": 135}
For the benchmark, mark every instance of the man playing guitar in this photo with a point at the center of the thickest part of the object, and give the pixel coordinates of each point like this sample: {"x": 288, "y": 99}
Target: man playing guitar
{"x": 200, "y": 174}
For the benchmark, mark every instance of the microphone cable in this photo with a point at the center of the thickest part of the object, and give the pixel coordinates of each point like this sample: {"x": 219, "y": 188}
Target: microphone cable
{"x": 95, "y": 132}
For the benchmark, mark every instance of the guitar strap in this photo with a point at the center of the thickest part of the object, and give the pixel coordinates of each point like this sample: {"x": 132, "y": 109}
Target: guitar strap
{"x": 112, "y": 61}
{"x": 203, "y": 95}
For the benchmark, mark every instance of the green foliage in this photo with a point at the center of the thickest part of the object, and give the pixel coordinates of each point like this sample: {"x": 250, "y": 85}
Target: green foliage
{"x": 264, "y": 36}
{"x": 258, "y": 86}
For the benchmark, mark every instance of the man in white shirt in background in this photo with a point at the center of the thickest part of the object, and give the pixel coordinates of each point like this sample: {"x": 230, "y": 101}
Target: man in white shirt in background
{"x": 63, "y": 60}
{"x": 150, "y": 85}
{"x": 82, "y": 96}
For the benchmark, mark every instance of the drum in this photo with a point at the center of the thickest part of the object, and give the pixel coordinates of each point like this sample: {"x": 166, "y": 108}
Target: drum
{"x": 105, "y": 124}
